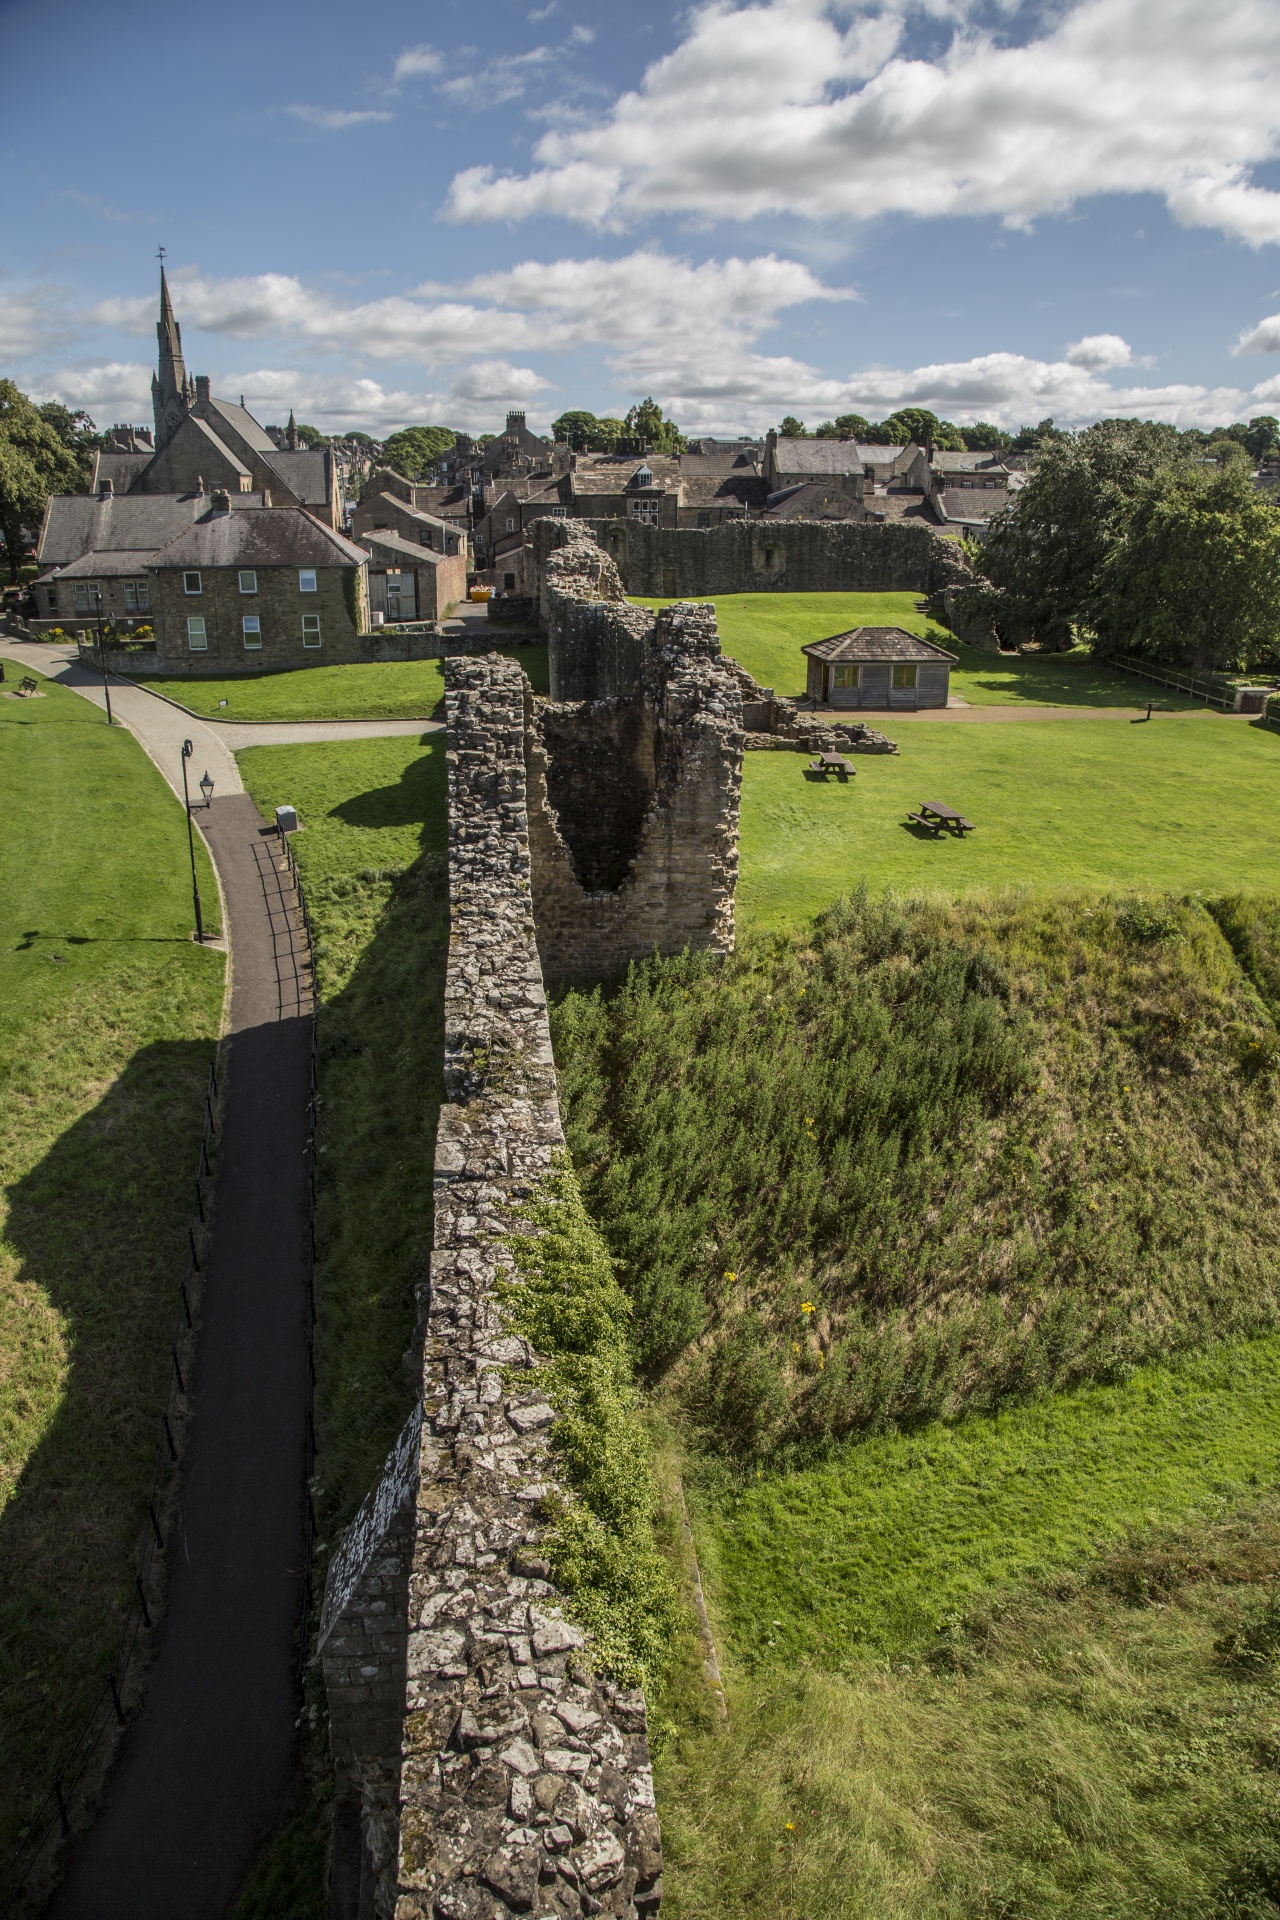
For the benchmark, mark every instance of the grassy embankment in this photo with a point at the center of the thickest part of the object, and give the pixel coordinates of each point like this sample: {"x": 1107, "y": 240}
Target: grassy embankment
{"x": 765, "y": 631}
{"x": 915, "y": 1208}
{"x": 384, "y": 690}
{"x": 108, "y": 1020}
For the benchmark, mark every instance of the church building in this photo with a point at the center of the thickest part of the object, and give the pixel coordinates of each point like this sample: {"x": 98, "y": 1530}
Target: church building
{"x": 202, "y": 443}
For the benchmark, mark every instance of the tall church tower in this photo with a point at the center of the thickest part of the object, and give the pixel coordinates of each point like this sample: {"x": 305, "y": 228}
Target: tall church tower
{"x": 171, "y": 390}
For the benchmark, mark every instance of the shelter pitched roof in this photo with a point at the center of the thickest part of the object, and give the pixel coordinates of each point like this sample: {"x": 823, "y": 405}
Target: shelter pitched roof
{"x": 876, "y": 643}
{"x": 260, "y": 537}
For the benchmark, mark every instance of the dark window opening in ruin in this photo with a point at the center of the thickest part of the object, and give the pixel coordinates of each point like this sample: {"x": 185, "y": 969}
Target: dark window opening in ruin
{"x": 508, "y": 583}
{"x": 772, "y": 558}
{"x": 600, "y": 781}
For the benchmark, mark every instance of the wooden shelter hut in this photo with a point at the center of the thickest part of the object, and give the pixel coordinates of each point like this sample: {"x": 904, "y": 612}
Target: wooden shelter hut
{"x": 878, "y": 667}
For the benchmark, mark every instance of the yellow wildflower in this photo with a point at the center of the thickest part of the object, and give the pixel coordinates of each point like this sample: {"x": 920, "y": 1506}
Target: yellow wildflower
{"x": 806, "y": 1306}
{"x": 728, "y": 1275}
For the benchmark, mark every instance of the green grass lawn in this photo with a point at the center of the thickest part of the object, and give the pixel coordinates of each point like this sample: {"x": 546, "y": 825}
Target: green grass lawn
{"x": 108, "y": 1019}
{"x": 384, "y": 690}
{"x": 1185, "y": 802}
{"x": 765, "y": 632}
{"x": 371, "y": 856}
{"x": 882, "y": 1546}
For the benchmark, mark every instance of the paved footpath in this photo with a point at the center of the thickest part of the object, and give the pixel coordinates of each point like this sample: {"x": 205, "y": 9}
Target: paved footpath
{"x": 209, "y": 1766}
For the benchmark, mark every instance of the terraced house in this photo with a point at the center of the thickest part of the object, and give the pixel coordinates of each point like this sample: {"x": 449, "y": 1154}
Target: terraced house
{"x": 253, "y": 589}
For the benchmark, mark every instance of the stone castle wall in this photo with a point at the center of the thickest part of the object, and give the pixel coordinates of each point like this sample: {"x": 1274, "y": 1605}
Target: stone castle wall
{"x": 760, "y": 556}
{"x": 510, "y": 1781}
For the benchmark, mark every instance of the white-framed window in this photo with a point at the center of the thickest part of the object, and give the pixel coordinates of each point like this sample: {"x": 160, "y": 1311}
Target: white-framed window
{"x": 191, "y": 583}
{"x": 82, "y": 598}
{"x": 511, "y": 525}
{"x": 251, "y": 627}
{"x": 646, "y": 510}
{"x": 248, "y": 580}
{"x": 307, "y": 581}
{"x": 197, "y": 637}
{"x": 311, "y": 629}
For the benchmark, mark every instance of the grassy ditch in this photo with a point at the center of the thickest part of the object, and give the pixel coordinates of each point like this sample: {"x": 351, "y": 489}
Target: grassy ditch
{"x": 927, "y": 1157}
{"x": 1103, "y": 1742}
{"x": 108, "y": 1020}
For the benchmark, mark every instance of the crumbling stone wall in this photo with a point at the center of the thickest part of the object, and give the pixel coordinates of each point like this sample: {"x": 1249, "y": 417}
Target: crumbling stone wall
{"x": 516, "y": 1782}
{"x": 633, "y": 801}
{"x": 761, "y": 556}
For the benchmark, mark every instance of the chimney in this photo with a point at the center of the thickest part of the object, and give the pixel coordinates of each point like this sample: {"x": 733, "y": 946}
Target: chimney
{"x": 105, "y": 489}
{"x": 266, "y": 496}
{"x": 202, "y": 386}
{"x": 221, "y": 501}
{"x": 199, "y": 483}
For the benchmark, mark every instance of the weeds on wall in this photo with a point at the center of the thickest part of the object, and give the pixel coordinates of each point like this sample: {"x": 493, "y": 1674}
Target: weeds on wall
{"x": 926, "y": 1156}
{"x": 601, "y": 1546}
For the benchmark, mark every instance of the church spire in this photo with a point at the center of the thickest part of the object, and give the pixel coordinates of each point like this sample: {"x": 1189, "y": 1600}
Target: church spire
{"x": 291, "y": 433}
{"x": 171, "y": 390}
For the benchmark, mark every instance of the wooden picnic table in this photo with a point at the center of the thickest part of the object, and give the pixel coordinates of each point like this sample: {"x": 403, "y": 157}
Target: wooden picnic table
{"x": 836, "y": 763}
{"x": 935, "y": 816}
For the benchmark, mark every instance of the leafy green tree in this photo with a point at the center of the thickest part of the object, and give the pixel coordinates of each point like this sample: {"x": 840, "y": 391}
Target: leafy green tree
{"x": 1043, "y": 556}
{"x": 646, "y": 423}
{"x": 77, "y": 433}
{"x": 608, "y": 432}
{"x": 1195, "y": 577}
{"x": 311, "y": 437}
{"x": 361, "y": 439}
{"x": 982, "y": 437}
{"x": 1031, "y": 439}
{"x": 853, "y": 426}
{"x": 792, "y": 429}
{"x": 34, "y": 462}
{"x": 1262, "y": 436}
{"x": 577, "y": 428}
{"x": 414, "y": 450}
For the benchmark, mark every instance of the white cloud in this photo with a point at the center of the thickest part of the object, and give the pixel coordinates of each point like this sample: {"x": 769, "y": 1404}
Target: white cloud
{"x": 336, "y": 119}
{"x": 1264, "y": 338}
{"x": 808, "y": 108}
{"x": 503, "y": 79}
{"x": 416, "y": 61}
{"x": 1098, "y": 351}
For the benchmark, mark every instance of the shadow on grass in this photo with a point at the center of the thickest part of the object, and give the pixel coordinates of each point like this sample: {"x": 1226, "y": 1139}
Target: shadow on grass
{"x": 99, "y": 1228}
{"x": 413, "y": 799}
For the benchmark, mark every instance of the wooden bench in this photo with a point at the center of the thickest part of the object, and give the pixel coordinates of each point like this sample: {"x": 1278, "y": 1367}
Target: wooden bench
{"x": 832, "y": 763}
{"x": 936, "y": 817}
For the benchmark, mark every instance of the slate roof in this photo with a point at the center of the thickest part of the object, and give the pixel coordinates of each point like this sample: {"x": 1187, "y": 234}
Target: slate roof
{"x": 241, "y": 421}
{"x": 305, "y": 473}
{"x": 121, "y": 469}
{"x": 138, "y": 523}
{"x": 832, "y": 456}
{"x": 745, "y": 485}
{"x": 967, "y": 462}
{"x": 723, "y": 460}
{"x": 261, "y": 537}
{"x": 815, "y": 500}
{"x": 400, "y": 548}
{"x": 100, "y": 566}
{"x": 418, "y": 515}
{"x": 877, "y": 643}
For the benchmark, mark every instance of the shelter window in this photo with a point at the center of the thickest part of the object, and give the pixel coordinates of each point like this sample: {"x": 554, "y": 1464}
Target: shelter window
{"x": 904, "y": 676}
{"x": 845, "y": 676}
{"x": 197, "y": 638}
{"x": 311, "y": 629}
{"x": 251, "y": 626}
{"x": 248, "y": 581}
{"x": 191, "y": 583}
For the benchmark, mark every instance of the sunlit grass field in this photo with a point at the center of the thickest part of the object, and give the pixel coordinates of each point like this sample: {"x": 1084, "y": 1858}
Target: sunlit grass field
{"x": 1183, "y": 801}
{"x": 382, "y": 690}
{"x": 765, "y": 632}
{"x": 108, "y": 1020}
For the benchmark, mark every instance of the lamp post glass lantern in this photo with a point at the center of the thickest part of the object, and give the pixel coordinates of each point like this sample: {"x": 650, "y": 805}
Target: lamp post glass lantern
{"x": 187, "y": 751}
{"x": 206, "y": 786}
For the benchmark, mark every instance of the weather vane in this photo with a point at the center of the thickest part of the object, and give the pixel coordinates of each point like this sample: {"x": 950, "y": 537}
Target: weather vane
{"x": 160, "y": 254}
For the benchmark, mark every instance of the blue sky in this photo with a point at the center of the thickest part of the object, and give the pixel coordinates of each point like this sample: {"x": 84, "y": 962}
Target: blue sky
{"x": 434, "y": 212}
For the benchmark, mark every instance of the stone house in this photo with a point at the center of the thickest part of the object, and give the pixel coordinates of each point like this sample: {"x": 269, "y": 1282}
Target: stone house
{"x": 409, "y": 580}
{"x": 248, "y": 590}
{"x": 878, "y": 667}
{"x": 796, "y": 463}
{"x": 392, "y": 504}
{"x": 94, "y": 548}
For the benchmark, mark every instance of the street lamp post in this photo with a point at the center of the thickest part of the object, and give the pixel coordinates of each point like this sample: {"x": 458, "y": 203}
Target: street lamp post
{"x": 187, "y": 751}
{"x": 102, "y": 651}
